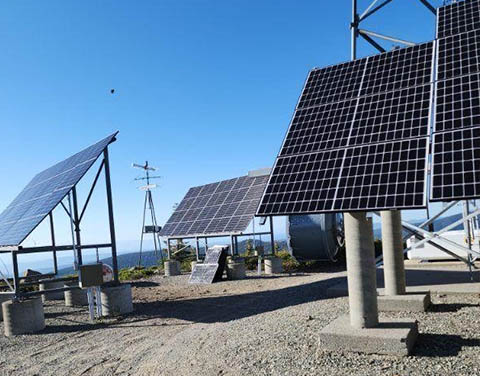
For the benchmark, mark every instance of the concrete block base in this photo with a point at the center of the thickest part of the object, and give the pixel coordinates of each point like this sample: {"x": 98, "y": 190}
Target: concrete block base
{"x": 236, "y": 269}
{"x": 23, "y": 317}
{"x": 393, "y": 337}
{"x": 273, "y": 265}
{"x": 172, "y": 268}
{"x": 75, "y": 298}
{"x": 4, "y": 296}
{"x": 58, "y": 295}
{"x": 117, "y": 300}
{"x": 405, "y": 303}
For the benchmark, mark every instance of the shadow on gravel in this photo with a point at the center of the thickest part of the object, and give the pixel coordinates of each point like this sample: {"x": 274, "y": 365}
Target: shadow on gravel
{"x": 143, "y": 283}
{"x": 233, "y": 307}
{"x": 450, "y": 307}
{"x": 51, "y": 315}
{"x": 442, "y": 345}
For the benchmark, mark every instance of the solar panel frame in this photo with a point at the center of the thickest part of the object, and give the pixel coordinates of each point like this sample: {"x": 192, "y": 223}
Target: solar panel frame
{"x": 44, "y": 192}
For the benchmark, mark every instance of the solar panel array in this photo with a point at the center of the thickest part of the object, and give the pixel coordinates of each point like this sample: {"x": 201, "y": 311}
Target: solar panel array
{"x": 219, "y": 208}
{"x": 457, "y": 121}
{"x": 357, "y": 124}
{"x": 44, "y": 193}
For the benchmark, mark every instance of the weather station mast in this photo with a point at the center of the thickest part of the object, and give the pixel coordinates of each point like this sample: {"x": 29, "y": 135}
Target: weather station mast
{"x": 148, "y": 205}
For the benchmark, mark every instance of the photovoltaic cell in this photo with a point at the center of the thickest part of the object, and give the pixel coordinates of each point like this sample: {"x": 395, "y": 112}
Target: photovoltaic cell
{"x": 333, "y": 84}
{"x": 223, "y": 207}
{"x": 458, "y": 18}
{"x": 458, "y": 103}
{"x": 44, "y": 193}
{"x": 458, "y": 55}
{"x": 398, "y": 69}
{"x": 456, "y": 165}
{"x": 381, "y": 176}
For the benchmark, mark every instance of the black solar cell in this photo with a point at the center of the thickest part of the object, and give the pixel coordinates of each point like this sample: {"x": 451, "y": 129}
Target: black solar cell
{"x": 458, "y": 18}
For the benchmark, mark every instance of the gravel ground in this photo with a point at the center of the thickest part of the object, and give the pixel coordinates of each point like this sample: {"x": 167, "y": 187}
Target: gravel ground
{"x": 258, "y": 326}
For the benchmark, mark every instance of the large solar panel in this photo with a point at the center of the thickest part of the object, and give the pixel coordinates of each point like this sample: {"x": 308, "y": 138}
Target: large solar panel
{"x": 44, "y": 193}
{"x": 458, "y": 18}
{"x": 219, "y": 208}
{"x": 456, "y": 165}
{"x": 458, "y": 55}
{"x": 359, "y": 134}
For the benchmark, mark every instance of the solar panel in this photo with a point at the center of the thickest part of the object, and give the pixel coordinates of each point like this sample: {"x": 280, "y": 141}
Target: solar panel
{"x": 458, "y": 55}
{"x": 382, "y": 176}
{"x": 458, "y": 18}
{"x": 458, "y": 103}
{"x": 218, "y": 208}
{"x": 360, "y": 134}
{"x": 44, "y": 193}
{"x": 456, "y": 165}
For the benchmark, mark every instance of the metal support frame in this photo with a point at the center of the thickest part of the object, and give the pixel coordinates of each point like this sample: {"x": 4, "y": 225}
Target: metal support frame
{"x": 367, "y": 35}
{"x": 75, "y": 218}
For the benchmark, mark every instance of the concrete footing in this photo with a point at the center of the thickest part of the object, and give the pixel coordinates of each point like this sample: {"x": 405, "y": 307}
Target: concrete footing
{"x": 236, "y": 268}
{"x": 4, "y": 296}
{"x": 23, "y": 317}
{"x": 273, "y": 265}
{"x": 76, "y": 297}
{"x": 172, "y": 267}
{"x": 117, "y": 300}
{"x": 404, "y": 303}
{"x": 392, "y": 337}
{"x": 57, "y": 295}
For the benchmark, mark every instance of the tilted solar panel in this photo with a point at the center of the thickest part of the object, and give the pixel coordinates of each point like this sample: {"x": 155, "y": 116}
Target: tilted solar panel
{"x": 44, "y": 193}
{"x": 218, "y": 208}
{"x": 456, "y": 165}
{"x": 324, "y": 147}
{"x": 458, "y": 18}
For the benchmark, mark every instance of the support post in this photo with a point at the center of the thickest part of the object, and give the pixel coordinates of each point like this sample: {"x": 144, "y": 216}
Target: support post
{"x": 361, "y": 272}
{"x": 54, "y": 249}
{"x": 16, "y": 279}
{"x": 392, "y": 246}
{"x": 197, "y": 248}
{"x": 272, "y": 238}
{"x": 232, "y": 245}
{"x": 110, "y": 216}
{"x": 77, "y": 226}
{"x": 354, "y": 27}
{"x": 168, "y": 249}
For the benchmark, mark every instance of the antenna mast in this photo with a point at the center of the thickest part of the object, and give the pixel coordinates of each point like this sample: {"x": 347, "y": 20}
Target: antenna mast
{"x": 148, "y": 205}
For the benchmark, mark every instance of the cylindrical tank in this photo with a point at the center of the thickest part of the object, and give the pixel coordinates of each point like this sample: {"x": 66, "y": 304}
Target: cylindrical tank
{"x": 315, "y": 237}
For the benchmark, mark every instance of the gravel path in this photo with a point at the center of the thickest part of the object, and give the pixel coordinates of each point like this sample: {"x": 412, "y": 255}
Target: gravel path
{"x": 258, "y": 326}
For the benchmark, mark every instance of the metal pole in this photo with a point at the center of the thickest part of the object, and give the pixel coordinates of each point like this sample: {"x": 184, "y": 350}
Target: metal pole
{"x": 168, "y": 249}
{"x": 54, "y": 250}
{"x": 143, "y": 230}
{"x": 232, "y": 246}
{"x": 77, "y": 225}
{"x": 110, "y": 215}
{"x": 72, "y": 229}
{"x": 154, "y": 222}
{"x": 467, "y": 229}
{"x": 16, "y": 280}
{"x": 272, "y": 239}
{"x": 354, "y": 27}
{"x": 197, "y": 244}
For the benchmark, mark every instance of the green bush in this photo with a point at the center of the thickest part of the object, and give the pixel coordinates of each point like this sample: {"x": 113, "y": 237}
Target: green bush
{"x": 129, "y": 274}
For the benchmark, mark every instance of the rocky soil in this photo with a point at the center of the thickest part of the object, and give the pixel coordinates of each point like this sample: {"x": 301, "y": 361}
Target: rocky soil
{"x": 258, "y": 326}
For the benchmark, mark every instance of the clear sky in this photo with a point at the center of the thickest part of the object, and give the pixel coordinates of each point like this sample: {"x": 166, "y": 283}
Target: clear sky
{"x": 203, "y": 89}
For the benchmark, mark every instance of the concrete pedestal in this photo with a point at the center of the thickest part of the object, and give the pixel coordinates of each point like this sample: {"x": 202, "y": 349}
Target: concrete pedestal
{"x": 117, "y": 300}
{"x": 4, "y": 296}
{"x": 392, "y": 337}
{"x": 392, "y": 246}
{"x": 58, "y": 295}
{"x": 76, "y": 297}
{"x": 22, "y": 317}
{"x": 236, "y": 269}
{"x": 361, "y": 271}
{"x": 404, "y": 303}
{"x": 172, "y": 268}
{"x": 273, "y": 265}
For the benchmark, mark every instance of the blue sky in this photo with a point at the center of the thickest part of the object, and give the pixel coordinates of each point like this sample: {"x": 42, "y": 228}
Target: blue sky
{"x": 203, "y": 89}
